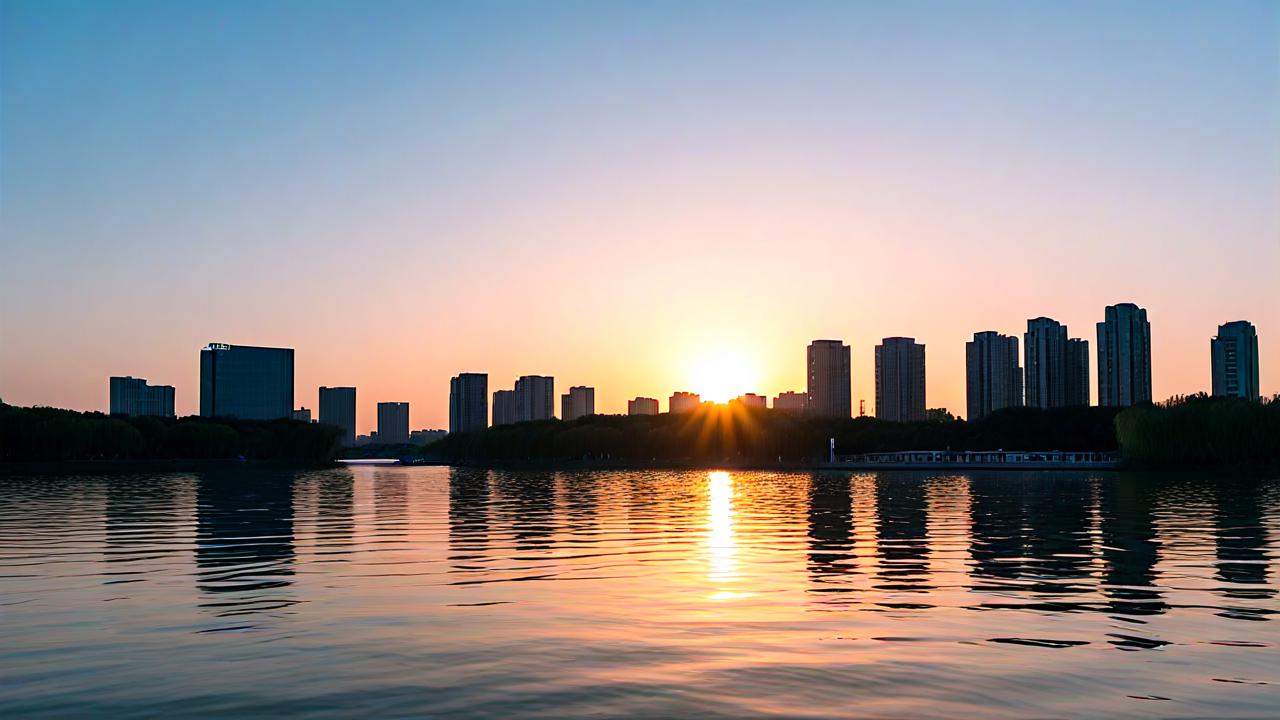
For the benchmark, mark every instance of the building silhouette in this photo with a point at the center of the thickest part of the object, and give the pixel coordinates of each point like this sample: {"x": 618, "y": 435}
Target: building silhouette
{"x": 535, "y": 398}
{"x": 900, "y": 391}
{"x": 134, "y": 397}
{"x": 1235, "y": 360}
{"x": 1045, "y": 345}
{"x": 578, "y": 402}
{"x": 829, "y": 394}
{"x": 993, "y": 377}
{"x": 241, "y": 381}
{"x": 1076, "y": 385}
{"x": 338, "y": 408}
{"x": 393, "y": 423}
{"x": 302, "y": 414}
{"x": 468, "y": 402}
{"x": 642, "y": 406}
{"x": 752, "y": 400}
{"x": 1124, "y": 356}
{"x": 681, "y": 402}
{"x": 504, "y": 407}
{"x": 795, "y": 403}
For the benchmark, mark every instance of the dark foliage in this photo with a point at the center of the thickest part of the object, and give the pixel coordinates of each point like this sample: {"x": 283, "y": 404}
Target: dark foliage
{"x": 48, "y": 434}
{"x": 732, "y": 433}
{"x": 1198, "y": 430}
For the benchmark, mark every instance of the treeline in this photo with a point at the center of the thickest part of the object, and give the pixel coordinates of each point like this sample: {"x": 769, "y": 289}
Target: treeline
{"x": 714, "y": 434}
{"x": 1199, "y": 430}
{"x": 41, "y": 434}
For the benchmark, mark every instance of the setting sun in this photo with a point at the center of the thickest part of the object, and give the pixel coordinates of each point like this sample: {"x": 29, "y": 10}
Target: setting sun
{"x": 722, "y": 374}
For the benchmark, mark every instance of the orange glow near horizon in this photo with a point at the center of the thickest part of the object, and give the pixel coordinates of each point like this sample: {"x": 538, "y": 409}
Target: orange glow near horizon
{"x": 722, "y": 374}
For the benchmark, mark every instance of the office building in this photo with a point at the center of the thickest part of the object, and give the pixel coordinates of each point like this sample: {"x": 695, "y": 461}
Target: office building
{"x": 752, "y": 400}
{"x": 829, "y": 394}
{"x": 134, "y": 397}
{"x": 578, "y": 402}
{"x": 468, "y": 402}
{"x": 795, "y": 403}
{"x": 900, "y": 390}
{"x": 681, "y": 402}
{"x": 1124, "y": 356}
{"x": 504, "y": 407}
{"x": 250, "y": 383}
{"x": 642, "y": 406}
{"x": 393, "y": 423}
{"x": 1076, "y": 385}
{"x": 302, "y": 414}
{"x": 993, "y": 377}
{"x": 338, "y": 408}
{"x": 535, "y": 398}
{"x": 1234, "y": 354}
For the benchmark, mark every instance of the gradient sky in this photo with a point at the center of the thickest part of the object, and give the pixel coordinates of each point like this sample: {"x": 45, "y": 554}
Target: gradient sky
{"x": 605, "y": 192}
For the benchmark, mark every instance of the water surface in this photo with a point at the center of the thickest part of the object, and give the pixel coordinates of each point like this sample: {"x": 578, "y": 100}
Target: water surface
{"x": 391, "y": 591}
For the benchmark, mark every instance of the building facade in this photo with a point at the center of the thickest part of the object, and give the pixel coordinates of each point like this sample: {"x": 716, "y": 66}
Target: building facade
{"x": 829, "y": 392}
{"x": 535, "y": 398}
{"x": 1045, "y": 345}
{"x": 993, "y": 377}
{"x": 338, "y": 408}
{"x": 795, "y": 403}
{"x": 241, "y": 381}
{"x": 302, "y": 414}
{"x": 1124, "y": 356}
{"x": 642, "y": 406}
{"x": 900, "y": 388}
{"x": 393, "y": 423}
{"x": 579, "y": 402}
{"x": 504, "y": 407}
{"x": 134, "y": 397}
{"x": 681, "y": 402}
{"x": 1076, "y": 385}
{"x": 468, "y": 402}
{"x": 1234, "y": 354}
{"x": 752, "y": 400}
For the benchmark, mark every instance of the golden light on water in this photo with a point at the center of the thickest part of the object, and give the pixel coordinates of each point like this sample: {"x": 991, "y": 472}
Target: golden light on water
{"x": 721, "y": 542}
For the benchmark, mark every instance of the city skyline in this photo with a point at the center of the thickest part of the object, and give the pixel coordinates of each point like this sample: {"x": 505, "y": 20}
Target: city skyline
{"x": 856, "y": 172}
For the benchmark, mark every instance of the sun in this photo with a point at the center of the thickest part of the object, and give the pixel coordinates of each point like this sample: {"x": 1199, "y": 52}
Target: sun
{"x": 721, "y": 375}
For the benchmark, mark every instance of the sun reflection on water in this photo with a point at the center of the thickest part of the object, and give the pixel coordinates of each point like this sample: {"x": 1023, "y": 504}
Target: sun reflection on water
{"x": 721, "y": 542}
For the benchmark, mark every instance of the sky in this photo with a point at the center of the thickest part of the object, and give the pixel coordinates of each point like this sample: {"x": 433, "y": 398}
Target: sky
{"x": 611, "y": 192}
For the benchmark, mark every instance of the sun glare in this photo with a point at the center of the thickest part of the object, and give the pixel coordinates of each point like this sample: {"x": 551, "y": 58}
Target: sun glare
{"x": 721, "y": 375}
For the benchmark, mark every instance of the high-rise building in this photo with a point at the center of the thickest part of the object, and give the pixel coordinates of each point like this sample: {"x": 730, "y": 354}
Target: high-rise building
{"x": 338, "y": 408}
{"x": 830, "y": 376}
{"x": 795, "y": 403}
{"x": 1235, "y": 360}
{"x": 642, "y": 406}
{"x": 251, "y": 383}
{"x": 535, "y": 398}
{"x": 578, "y": 402}
{"x": 1045, "y": 345}
{"x": 993, "y": 375}
{"x": 468, "y": 402}
{"x": 680, "y": 402}
{"x": 134, "y": 397}
{"x": 504, "y": 407}
{"x": 302, "y": 414}
{"x": 900, "y": 380}
{"x": 752, "y": 400}
{"x": 393, "y": 423}
{"x": 1076, "y": 386}
{"x": 1124, "y": 356}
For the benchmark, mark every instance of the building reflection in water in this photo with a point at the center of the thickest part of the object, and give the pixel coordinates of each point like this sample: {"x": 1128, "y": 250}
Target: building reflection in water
{"x": 831, "y": 532}
{"x": 1240, "y": 539}
{"x": 143, "y": 518}
{"x": 335, "y": 512}
{"x": 902, "y": 533}
{"x": 1130, "y": 548}
{"x": 391, "y": 503}
{"x": 469, "y": 525}
{"x": 244, "y": 541}
{"x": 527, "y": 505}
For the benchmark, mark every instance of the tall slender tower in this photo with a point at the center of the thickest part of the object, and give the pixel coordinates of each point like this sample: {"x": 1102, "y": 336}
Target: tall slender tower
{"x": 1124, "y": 356}
{"x": 468, "y": 402}
{"x": 1235, "y": 360}
{"x": 829, "y": 393}
{"x": 993, "y": 375}
{"x": 900, "y": 393}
